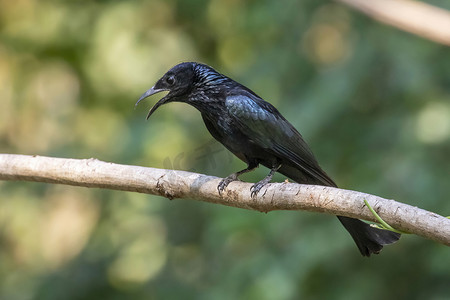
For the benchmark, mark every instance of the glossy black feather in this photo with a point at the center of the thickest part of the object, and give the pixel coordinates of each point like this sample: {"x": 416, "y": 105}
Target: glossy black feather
{"x": 256, "y": 132}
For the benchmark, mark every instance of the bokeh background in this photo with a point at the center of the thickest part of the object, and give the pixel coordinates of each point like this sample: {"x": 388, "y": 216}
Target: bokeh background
{"x": 373, "y": 102}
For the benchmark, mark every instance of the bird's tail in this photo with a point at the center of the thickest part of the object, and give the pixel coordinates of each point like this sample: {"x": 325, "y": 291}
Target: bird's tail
{"x": 368, "y": 239}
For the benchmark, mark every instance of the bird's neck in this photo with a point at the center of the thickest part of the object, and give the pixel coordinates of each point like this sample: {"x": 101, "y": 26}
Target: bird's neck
{"x": 207, "y": 101}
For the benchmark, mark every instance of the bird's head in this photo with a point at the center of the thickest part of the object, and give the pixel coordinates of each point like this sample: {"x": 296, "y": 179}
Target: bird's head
{"x": 183, "y": 83}
{"x": 178, "y": 81}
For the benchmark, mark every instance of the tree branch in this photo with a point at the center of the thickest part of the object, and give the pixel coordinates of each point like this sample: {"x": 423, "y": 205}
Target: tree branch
{"x": 417, "y": 17}
{"x": 179, "y": 184}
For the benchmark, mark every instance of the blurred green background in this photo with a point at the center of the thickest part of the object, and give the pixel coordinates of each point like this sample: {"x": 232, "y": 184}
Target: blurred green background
{"x": 373, "y": 102}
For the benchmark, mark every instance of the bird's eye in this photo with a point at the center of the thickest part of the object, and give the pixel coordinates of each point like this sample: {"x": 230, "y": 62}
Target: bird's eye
{"x": 170, "y": 80}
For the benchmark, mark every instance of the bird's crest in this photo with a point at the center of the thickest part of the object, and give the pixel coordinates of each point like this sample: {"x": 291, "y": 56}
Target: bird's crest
{"x": 208, "y": 75}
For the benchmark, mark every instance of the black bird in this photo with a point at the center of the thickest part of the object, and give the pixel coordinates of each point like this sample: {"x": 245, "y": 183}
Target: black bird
{"x": 254, "y": 131}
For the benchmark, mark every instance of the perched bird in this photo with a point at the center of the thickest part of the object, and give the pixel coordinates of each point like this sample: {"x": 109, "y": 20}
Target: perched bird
{"x": 254, "y": 131}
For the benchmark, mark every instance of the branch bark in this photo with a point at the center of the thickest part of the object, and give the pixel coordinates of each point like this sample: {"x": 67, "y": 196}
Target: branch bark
{"x": 416, "y": 17}
{"x": 179, "y": 184}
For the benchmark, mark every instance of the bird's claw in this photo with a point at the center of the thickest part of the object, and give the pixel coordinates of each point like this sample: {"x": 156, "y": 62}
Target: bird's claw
{"x": 256, "y": 188}
{"x": 224, "y": 183}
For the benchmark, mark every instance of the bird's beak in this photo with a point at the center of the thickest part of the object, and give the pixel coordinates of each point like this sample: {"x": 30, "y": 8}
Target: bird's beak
{"x": 148, "y": 93}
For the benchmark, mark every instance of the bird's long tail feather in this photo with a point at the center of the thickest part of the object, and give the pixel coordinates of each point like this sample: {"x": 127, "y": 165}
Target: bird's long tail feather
{"x": 369, "y": 240}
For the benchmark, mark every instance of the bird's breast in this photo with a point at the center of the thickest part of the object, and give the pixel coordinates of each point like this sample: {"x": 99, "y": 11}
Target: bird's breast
{"x": 228, "y": 134}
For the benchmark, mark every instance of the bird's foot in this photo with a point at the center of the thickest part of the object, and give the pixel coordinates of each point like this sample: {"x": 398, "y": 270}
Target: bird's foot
{"x": 258, "y": 186}
{"x": 225, "y": 182}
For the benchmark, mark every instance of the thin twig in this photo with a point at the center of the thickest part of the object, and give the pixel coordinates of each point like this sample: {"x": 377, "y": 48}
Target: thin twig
{"x": 417, "y": 17}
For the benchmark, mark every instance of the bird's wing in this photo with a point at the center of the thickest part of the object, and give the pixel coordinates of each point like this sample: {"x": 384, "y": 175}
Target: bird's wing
{"x": 267, "y": 128}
